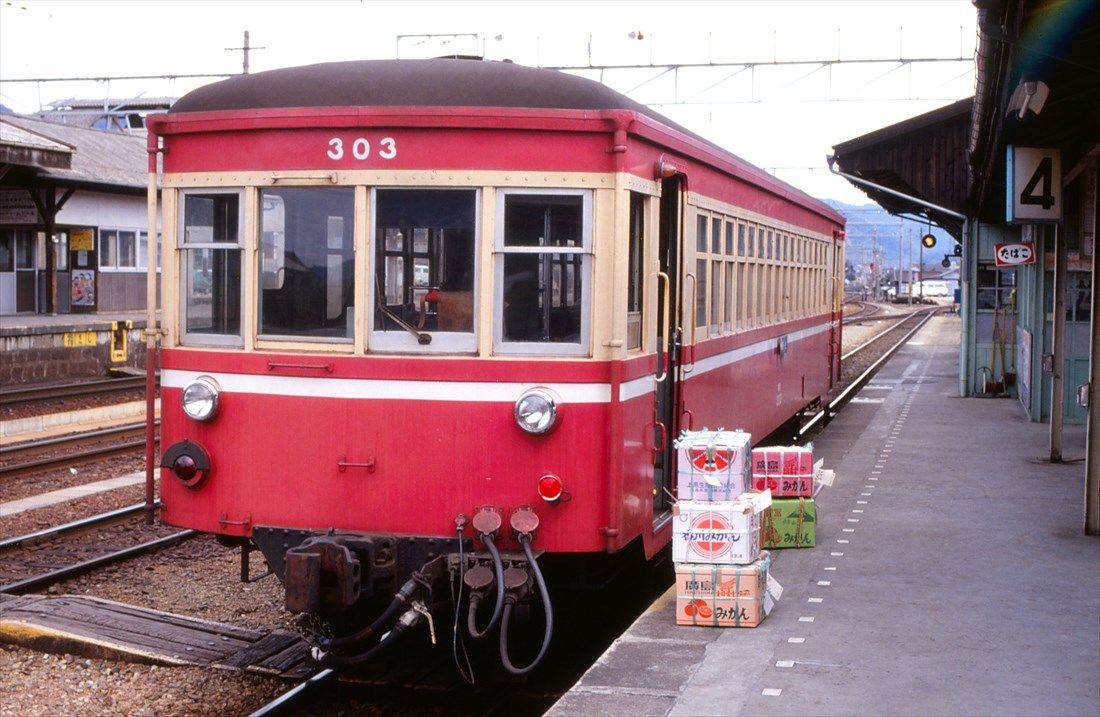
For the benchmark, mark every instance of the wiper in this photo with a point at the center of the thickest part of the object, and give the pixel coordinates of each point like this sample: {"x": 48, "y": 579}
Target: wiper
{"x": 422, "y": 338}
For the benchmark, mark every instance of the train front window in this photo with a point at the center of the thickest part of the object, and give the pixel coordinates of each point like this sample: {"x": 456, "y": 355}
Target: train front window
{"x": 210, "y": 277}
{"x": 423, "y": 284}
{"x": 307, "y": 277}
{"x": 543, "y": 271}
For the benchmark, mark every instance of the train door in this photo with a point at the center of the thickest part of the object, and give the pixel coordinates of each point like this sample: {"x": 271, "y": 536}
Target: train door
{"x": 668, "y": 344}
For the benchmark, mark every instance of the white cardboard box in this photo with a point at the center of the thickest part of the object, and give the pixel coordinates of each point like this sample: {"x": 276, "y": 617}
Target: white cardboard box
{"x": 718, "y": 532}
{"x": 712, "y": 465}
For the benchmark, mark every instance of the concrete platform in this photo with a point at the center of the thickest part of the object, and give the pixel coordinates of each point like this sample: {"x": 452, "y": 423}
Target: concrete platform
{"x": 964, "y": 587}
{"x": 43, "y": 348}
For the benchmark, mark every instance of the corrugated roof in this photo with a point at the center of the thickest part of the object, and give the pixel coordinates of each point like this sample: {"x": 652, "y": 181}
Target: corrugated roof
{"x": 99, "y": 157}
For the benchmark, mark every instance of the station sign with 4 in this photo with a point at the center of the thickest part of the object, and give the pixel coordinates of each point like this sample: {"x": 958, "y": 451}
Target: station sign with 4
{"x": 1034, "y": 185}
{"x": 1014, "y": 254}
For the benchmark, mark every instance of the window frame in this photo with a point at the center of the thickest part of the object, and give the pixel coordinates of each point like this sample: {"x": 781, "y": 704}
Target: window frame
{"x": 198, "y": 338}
{"x": 402, "y": 342}
{"x": 278, "y": 339}
{"x": 500, "y": 251}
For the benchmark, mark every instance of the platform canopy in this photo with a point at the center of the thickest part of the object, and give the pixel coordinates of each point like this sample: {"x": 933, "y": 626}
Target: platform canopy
{"x": 922, "y": 158}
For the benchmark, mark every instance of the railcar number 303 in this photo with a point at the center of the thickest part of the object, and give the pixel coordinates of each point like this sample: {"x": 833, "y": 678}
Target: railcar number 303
{"x": 360, "y": 148}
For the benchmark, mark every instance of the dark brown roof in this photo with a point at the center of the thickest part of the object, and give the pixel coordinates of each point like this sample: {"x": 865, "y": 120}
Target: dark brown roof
{"x": 409, "y": 83}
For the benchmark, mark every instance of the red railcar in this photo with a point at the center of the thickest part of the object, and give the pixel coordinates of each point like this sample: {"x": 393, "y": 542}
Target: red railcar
{"x": 417, "y": 308}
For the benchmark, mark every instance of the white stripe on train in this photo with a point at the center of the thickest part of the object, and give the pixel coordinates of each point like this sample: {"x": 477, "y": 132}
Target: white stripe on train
{"x": 463, "y": 391}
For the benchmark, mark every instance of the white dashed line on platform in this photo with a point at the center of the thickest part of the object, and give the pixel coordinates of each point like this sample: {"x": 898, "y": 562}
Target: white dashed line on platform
{"x": 771, "y": 692}
{"x": 806, "y": 619}
{"x": 796, "y": 640}
{"x": 784, "y": 663}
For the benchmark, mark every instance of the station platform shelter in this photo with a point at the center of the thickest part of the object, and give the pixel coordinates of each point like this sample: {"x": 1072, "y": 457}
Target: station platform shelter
{"x": 949, "y": 577}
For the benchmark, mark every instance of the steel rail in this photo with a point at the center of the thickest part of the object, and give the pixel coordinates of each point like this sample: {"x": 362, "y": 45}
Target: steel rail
{"x": 57, "y": 461}
{"x": 58, "y": 530}
{"x": 54, "y": 576}
{"x": 853, "y": 387}
{"x": 75, "y": 438}
{"x": 293, "y": 695}
{"x": 900, "y": 320}
{"x": 11, "y": 397}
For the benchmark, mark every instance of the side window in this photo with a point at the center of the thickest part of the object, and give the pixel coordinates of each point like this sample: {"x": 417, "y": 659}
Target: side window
{"x": 423, "y": 283}
{"x": 701, "y": 271}
{"x": 108, "y": 248}
{"x": 543, "y": 267}
{"x": 1079, "y": 301}
{"x": 997, "y": 288}
{"x": 210, "y": 267}
{"x": 307, "y": 264}
{"x": 635, "y": 271}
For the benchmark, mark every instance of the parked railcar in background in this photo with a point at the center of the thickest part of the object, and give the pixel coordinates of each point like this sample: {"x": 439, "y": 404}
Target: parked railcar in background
{"x": 417, "y": 313}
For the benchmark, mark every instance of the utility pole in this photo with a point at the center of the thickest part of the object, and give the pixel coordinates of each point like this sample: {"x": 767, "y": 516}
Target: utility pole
{"x": 245, "y": 48}
{"x": 874, "y": 263}
{"x": 901, "y": 234}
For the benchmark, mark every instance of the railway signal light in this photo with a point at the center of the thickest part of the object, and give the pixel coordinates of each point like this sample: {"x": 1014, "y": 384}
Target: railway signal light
{"x": 928, "y": 240}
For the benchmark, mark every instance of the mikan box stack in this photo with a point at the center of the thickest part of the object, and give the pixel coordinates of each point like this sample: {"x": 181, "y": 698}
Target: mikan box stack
{"x": 712, "y": 465}
{"x": 723, "y": 595}
{"x": 788, "y": 471}
{"x": 721, "y": 575}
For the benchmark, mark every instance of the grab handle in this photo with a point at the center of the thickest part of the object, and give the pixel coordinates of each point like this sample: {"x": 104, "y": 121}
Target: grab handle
{"x": 665, "y": 329}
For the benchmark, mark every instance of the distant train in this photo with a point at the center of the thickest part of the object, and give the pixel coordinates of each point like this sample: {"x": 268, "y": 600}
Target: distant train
{"x": 425, "y": 320}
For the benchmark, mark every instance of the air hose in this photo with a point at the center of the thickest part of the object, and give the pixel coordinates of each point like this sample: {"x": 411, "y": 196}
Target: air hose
{"x": 475, "y": 600}
{"x": 525, "y": 541}
{"x": 403, "y": 595}
{"x": 407, "y": 620}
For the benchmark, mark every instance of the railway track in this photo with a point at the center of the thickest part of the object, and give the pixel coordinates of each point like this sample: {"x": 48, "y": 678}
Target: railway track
{"x": 37, "y": 394}
{"x": 65, "y": 451}
{"x": 873, "y": 354}
{"x": 36, "y": 561}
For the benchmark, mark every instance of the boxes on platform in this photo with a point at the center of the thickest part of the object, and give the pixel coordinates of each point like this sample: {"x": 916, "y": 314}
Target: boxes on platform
{"x": 788, "y": 471}
{"x": 789, "y": 523}
{"x": 712, "y": 465}
{"x": 719, "y": 532}
{"x": 723, "y": 595}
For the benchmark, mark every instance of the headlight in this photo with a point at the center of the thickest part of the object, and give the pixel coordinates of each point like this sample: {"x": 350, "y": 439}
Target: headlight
{"x": 200, "y": 399}
{"x": 537, "y": 410}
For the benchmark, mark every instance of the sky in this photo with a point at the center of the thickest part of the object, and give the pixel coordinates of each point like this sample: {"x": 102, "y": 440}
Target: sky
{"x": 784, "y": 119}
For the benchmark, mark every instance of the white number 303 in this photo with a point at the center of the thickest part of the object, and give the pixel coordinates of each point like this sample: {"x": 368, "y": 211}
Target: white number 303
{"x": 361, "y": 148}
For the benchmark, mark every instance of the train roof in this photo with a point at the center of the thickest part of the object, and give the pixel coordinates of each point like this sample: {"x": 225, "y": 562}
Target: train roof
{"x": 410, "y": 83}
{"x": 442, "y": 83}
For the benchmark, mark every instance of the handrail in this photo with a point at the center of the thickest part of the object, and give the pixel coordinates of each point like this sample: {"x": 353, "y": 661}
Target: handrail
{"x": 663, "y": 362}
{"x": 689, "y": 367}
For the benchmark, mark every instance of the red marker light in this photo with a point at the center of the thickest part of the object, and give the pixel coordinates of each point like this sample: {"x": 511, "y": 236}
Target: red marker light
{"x": 550, "y": 488}
{"x": 184, "y": 468}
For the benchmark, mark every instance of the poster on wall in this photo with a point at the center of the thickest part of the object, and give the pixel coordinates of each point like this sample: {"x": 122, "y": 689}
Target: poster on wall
{"x": 83, "y": 288}
{"x": 81, "y": 240}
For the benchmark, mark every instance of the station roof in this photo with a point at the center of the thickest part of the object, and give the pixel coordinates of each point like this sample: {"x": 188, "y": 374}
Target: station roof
{"x": 108, "y": 161}
{"x": 922, "y": 157}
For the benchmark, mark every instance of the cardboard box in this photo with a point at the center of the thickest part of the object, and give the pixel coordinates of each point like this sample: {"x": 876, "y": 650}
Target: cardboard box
{"x": 719, "y": 532}
{"x": 789, "y": 523}
{"x": 712, "y": 465}
{"x": 788, "y": 471}
{"x": 723, "y": 595}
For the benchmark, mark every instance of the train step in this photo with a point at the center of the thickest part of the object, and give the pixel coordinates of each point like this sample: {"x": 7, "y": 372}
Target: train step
{"x": 91, "y": 627}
